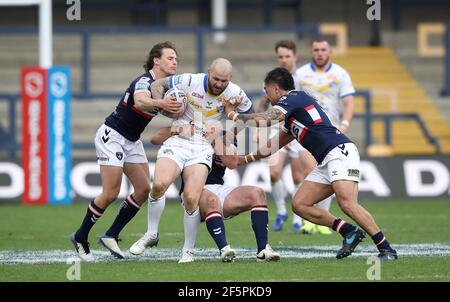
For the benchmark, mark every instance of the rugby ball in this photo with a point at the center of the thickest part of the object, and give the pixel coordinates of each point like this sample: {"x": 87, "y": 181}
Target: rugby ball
{"x": 179, "y": 96}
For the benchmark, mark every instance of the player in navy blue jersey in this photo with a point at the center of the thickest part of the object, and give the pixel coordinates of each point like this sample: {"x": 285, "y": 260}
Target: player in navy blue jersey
{"x": 119, "y": 150}
{"x": 337, "y": 157}
{"x": 219, "y": 201}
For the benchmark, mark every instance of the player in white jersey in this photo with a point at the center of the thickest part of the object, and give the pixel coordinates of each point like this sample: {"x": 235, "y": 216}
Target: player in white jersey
{"x": 193, "y": 156}
{"x": 302, "y": 161}
{"x": 332, "y": 87}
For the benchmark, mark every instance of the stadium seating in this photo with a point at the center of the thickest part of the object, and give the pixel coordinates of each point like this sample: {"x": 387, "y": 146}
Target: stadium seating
{"x": 395, "y": 91}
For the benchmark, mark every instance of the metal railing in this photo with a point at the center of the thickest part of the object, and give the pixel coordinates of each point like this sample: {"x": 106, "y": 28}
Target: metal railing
{"x": 8, "y": 136}
{"x": 446, "y": 89}
{"x": 9, "y": 143}
{"x": 199, "y": 32}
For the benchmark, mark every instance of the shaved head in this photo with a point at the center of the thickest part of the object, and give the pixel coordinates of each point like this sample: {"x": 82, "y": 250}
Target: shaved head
{"x": 221, "y": 66}
{"x": 219, "y": 75}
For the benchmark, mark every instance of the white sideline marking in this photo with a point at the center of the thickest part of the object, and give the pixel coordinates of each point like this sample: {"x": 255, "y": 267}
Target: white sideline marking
{"x": 173, "y": 254}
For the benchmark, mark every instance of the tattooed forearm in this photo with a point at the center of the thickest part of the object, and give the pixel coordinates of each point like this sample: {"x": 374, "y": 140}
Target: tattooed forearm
{"x": 269, "y": 117}
{"x": 159, "y": 87}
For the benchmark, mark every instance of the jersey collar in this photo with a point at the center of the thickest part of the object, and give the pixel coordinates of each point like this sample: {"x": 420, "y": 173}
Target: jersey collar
{"x": 326, "y": 70}
{"x": 205, "y": 83}
{"x": 152, "y": 74}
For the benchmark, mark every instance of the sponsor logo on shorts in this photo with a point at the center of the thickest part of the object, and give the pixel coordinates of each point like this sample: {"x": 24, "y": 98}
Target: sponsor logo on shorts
{"x": 100, "y": 158}
{"x": 334, "y": 173}
{"x": 168, "y": 151}
{"x": 119, "y": 155}
{"x": 353, "y": 172}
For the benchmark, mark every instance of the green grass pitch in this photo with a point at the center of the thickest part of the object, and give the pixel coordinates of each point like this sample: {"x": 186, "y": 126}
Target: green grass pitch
{"x": 419, "y": 228}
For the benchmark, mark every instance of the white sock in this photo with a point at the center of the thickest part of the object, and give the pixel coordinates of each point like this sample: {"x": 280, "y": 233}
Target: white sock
{"x": 154, "y": 213}
{"x": 325, "y": 204}
{"x": 279, "y": 193}
{"x": 191, "y": 224}
{"x": 296, "y": 219}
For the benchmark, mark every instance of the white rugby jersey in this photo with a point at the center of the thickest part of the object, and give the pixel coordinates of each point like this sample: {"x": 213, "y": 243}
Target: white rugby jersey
{"x": 329, "y": 87}
{"x": 203, "y": 108}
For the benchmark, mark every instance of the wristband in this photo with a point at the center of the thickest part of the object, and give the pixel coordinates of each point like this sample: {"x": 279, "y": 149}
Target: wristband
{"x": 252, "y": 157}
{"x": 232, "y": 113}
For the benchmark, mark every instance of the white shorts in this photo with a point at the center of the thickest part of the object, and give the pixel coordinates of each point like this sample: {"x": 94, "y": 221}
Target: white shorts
{"x": 339, "y": 164}
{"x": 114, "y": 150}
{"x": 222, "y": 191}
{"x": 185, "y": 153}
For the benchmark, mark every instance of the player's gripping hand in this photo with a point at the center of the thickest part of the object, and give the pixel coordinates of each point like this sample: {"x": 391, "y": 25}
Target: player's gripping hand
{"x": 241, "y": 160}
{"x": 232, "y": 103}
{"x": 212, "y": 132}
{"x": 171, "y": 106}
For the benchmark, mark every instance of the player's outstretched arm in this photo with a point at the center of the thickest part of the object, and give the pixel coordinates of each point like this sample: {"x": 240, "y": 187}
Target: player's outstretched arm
{"x": 229, "y": 157}
{"x": 262, "y": 119}
{"x": 162, "y": 134}
{"x": 349, "y": 108}
{"x": 277, "y": 142}
{"x": 144, "y": 102}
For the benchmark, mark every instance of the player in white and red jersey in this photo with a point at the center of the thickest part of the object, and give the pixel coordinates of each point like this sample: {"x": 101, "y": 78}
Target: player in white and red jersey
{"x": 332, "y": 87}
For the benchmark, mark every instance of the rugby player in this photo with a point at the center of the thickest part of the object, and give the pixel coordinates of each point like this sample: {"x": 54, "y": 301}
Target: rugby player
{"x": 219, "y": 201}
{"x": 332, "y": 87}
{"x": 207, "y": 94}
{"x": 119, "y": 150}
{"x": 302, "y": 161}
{"x": 338, "y": 162}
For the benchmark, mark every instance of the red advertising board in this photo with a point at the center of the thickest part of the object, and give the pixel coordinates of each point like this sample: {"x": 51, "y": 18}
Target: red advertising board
{"x": 34, "y": 135}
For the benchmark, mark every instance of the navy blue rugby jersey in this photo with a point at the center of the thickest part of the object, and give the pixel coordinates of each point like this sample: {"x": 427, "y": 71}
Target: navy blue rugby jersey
{"x": 127, "y": 119}
{"x": 306, "y": 121}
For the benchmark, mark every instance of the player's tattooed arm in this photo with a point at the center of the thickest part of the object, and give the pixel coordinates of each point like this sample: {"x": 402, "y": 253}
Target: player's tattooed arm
{"x": 159, "y": 87}
{"x": 277, "y": 142}
{"x": 262, "y": 119}
{"x": 144, "y": 102}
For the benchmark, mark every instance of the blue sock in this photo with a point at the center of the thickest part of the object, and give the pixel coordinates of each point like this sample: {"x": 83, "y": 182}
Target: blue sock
{"x": 381, "y": 242}
{"x": 260, "y": 220}
{"x": 93, "y": 213}
{"x": 216, "y": 228}
{"x": 127, "y": 211}
{"x": 343, "y": 227}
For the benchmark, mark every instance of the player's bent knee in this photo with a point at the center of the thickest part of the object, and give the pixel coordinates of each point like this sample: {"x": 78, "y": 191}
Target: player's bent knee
{"x": 159, "y": 188}
{"x": 190, "y": 199}
{"x": 346, "y": 204}
{"x": 211, "y": 204}
{"x": 110, "y": 197}
{"x": 258, "y": 196}
{"x": 142, "y": 194}
{"x": 299, "y": 209}
{"x": 275, "y": 176}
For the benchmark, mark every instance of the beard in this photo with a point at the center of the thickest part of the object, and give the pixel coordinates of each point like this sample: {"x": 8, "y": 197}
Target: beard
{"x": 213, "y": 90}
{"x": 321, "y": 65}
